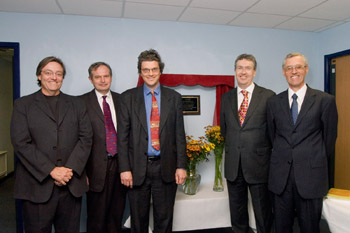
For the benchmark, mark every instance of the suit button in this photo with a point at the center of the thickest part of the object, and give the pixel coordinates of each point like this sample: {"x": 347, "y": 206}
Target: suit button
{"x": 54, "y": 147}
{"x": 294, "y": 131}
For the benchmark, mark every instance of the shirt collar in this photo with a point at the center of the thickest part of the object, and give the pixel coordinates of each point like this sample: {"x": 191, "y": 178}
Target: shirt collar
{"x": 99, "y": 95}
{"x": 249, "y": 89}
{"x": 147, "y": 91}
{"x": 300, "y": 93}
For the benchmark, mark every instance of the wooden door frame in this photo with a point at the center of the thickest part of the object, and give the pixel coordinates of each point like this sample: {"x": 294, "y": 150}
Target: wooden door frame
{"x": 327, "y": 67}
{"x": 327, "y": 88}
{"x": 15, "y": 67}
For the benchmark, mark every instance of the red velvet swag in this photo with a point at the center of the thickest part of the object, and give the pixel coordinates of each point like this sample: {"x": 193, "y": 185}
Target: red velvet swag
{"x": 223, "y": 83}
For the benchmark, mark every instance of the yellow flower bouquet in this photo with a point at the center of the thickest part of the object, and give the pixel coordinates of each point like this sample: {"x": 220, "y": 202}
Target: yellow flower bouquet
{"x": 213, "y": 134}
{"x": 196, "y": 151}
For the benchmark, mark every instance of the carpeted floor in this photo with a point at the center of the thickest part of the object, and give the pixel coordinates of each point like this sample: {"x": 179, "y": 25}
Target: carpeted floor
{"x": 8, "y": 216}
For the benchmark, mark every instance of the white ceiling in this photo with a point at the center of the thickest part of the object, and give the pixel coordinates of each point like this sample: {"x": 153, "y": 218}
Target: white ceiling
{"x": 300, "y": 15}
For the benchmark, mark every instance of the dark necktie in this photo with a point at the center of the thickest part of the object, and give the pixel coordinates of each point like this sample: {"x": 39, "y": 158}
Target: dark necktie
{"x": 154, "y": 123}
{"x": 244, "y": 107}
{"x": 111, "y": 134}
{"x": 294, "y": 108}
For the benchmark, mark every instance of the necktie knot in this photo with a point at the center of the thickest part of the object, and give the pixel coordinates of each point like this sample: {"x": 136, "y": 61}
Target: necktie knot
{"x": 294, "y": 96}
{"x": 245, "y": 93}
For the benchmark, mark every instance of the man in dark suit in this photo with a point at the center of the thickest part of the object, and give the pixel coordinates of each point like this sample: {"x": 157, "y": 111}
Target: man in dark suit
{"x": 51, "y": 134}
{"x": 106, "y": 196}
{"x": 151, "y": 163}
{"x": 247, "y": 147}
{"x": 303, "y": 128}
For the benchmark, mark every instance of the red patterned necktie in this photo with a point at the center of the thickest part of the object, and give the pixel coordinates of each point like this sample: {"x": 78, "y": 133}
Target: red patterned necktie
{"x": 154, "y": 123}
{"x": 111, "y": 134}
{"x": 244, "y": 107}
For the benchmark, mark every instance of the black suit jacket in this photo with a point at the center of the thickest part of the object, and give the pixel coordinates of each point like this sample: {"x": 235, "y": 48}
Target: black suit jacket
{"x": 307, "y": 144}
{"x": 36, "y": 137}
{"x": 250, "y": 143}
{"x": 133, "y": 136}
{"x": 97, "y": 164}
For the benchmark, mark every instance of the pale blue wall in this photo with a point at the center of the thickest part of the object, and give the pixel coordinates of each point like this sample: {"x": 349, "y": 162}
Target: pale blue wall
{"x": 186, "y": 48}
{"x": 332, "y": 41}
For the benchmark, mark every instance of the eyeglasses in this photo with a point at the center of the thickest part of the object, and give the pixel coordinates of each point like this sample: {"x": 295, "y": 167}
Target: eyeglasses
{"x": 247, "y": 68}
{"x": 50, "y": 73}
{"x": 147, "y": 71}
{"x": 297, "y": 68}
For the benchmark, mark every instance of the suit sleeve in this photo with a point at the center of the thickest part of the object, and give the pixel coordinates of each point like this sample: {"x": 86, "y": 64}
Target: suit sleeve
{"x": 180, "y": 135}
{"x": 35, "y": 161}
{"x": 80, "y": 154}
{"x": 123, "y": 135}
{"x": 271, "y": 127}
{"x": 330, "y": 124}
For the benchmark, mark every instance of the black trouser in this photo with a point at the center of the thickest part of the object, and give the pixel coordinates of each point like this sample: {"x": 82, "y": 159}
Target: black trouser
{"x": 62, "y": 211}
{"x": 163, "y": 199}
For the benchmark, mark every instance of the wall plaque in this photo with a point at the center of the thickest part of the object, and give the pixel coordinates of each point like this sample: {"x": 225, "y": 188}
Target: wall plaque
{"x": 191, "y": 105}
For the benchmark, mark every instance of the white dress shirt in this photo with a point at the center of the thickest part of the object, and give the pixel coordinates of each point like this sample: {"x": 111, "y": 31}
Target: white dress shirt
{"x": 301, "y": 95}
{"x": 110, "y": 102}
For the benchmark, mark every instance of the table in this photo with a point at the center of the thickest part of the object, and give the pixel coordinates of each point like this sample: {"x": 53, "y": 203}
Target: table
{"x": 336, "y": 211}
{"x": 205, "y": 210}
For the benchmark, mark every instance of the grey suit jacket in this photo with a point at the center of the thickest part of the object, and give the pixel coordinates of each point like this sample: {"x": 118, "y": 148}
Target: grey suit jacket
{"x": 36, "y": 137}
{"x": 133, "y": 136}
{"x": 307, "y": 144}
{"x": 96, "y": 167}
{"x": 249, "y": 144}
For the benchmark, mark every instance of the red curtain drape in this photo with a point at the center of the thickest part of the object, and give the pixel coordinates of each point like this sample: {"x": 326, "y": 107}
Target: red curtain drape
{"x": 223, "y": 83}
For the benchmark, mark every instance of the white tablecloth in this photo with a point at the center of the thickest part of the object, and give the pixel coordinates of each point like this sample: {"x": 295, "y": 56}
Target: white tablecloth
{"x": 337, "y": 213}
{"x": 207, "y": 209}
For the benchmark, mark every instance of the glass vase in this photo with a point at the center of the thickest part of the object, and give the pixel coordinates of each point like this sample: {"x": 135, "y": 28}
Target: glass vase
{"x": 218, "y": 185}
{"x": 190, "y": 187}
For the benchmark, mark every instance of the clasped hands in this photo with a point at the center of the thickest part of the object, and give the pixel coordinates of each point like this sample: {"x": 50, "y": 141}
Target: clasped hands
{"x": 61, "y": 175}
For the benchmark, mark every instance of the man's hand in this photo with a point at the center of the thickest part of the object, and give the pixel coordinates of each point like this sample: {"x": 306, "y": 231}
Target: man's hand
{"x": 180, "y": 175}
{"x": 61, "y": 175}
{"x": 126, "y": 178}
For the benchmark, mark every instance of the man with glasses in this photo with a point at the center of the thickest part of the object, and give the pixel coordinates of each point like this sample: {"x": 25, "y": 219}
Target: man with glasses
{"x": 247, "y": 147}
{"x": 51, "y": 135}
{"x": 151, "y": 146}
{"x": 302, "y": 124}
{"x": 106, "y": 196}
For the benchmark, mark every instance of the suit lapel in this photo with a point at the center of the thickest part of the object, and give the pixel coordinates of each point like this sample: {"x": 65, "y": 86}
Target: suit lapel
{"x": 165, "y": 108}
{"x": 140, "y": 109}
{"x": 309, "y": 100}
{"x": 42, "y": 104}
{"x": 116, "y": 102}
{"x": 253, "y": 103}
{"x": 63, "y": 105}
{"x": 284, "y": 104}
{"x": 234, "y": 106}
{"x": 96, "y": 106}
